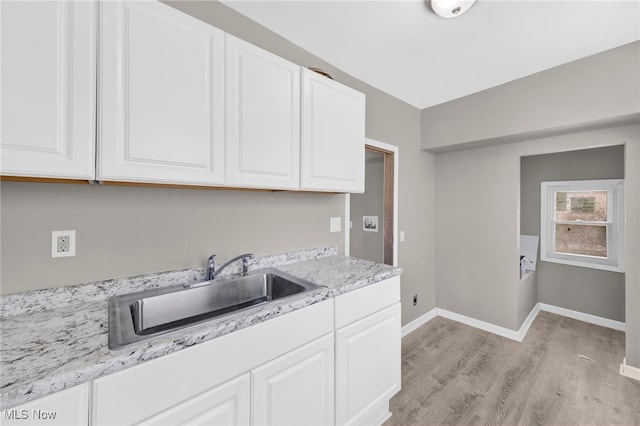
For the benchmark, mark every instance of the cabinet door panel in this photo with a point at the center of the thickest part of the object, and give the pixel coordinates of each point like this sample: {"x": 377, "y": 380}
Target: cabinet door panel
{"x": 66, "y": 408}
{"x": 263, "y": 118}
{"x": 333, "y": 120}
{"x": 297, "y": 388}
{"x": 162, "y": 96}
{"x": 368, "y": 363}
{"x": 224, "y": 405}
{"x": 48, "y": 89}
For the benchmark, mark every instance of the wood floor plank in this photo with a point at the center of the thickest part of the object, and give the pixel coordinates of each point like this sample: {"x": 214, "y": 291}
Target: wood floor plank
{"x": 565, "y": 372}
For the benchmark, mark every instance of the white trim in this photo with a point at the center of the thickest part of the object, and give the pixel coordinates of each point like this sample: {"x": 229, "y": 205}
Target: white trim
{"x": 347, "y": 199}
{"x": 519, "y": 335}
{"x": 482, "y": 325}
{"x": 629, "y": 371}
{"x": 419, "y": 322}
{"x": 524, "y": 329}
{"x": 580, "y": 316}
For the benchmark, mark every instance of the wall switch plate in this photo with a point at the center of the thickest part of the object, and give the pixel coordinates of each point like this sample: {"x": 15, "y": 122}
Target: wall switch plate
{"x": 334, "y": 224}
{"x": 402, "y": 236}
{"x": 63, "y": 243}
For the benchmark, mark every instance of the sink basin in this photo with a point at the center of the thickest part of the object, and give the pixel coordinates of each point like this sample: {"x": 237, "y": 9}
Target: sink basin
{"x": 138, "y": 316}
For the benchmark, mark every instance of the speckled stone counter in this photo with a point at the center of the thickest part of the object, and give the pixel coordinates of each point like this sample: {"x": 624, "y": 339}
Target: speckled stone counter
{"x": 57, "y": 338}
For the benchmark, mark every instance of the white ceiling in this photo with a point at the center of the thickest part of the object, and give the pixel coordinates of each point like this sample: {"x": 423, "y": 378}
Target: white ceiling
{"x": 402, "y": 48}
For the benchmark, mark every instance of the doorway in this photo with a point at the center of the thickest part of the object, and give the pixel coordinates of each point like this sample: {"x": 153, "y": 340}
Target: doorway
{"x": 373, "y": 214}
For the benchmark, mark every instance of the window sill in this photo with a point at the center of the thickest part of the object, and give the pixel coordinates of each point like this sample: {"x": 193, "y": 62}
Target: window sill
{"x": 611, "y": 268}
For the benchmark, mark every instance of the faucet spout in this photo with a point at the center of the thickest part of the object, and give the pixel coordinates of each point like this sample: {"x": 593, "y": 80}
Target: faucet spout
{"x": 212, "y": 273}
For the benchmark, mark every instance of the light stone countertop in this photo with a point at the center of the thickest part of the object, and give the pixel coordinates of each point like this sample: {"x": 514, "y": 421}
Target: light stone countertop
{"x": 58, "y": 338}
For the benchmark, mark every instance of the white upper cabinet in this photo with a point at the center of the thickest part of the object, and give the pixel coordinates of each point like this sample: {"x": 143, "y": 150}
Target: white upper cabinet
{"x": 48, "y": 89}
{"x": 263, "y": 118}
{"x": 161, "y": 98}
{"x": 333, "y": 127}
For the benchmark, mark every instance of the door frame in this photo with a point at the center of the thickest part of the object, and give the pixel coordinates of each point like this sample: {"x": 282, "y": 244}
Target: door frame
{"x": 391, "y": 157}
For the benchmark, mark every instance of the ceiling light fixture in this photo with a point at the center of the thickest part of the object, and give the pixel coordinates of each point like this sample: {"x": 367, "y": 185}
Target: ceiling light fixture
{"x": 450, "y": 8}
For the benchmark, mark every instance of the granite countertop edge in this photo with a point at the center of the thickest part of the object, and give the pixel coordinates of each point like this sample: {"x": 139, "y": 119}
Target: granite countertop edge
{"x": 78, "y": 314}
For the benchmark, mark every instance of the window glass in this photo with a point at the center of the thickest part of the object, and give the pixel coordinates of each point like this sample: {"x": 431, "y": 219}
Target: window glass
{"x": 587, "y": 206}
{"x": 588, "y": 240}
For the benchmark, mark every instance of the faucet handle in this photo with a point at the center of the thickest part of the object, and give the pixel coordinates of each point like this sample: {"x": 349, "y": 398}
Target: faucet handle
{"x": 211, "y": 266}
{"x": 245, "y": 262}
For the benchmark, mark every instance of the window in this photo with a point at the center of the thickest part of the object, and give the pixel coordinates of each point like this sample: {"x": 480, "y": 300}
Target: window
{"x": 582, "y": 223}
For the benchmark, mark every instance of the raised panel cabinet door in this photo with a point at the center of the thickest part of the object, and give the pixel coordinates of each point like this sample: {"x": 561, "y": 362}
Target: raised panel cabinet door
{"x": 368, "y": 363}
{"x": 297, "y": 388}
{"x": 48, "y": 86}
{"x": 333, "y": 129}
{"x": 161, "y": 116}
{"x": 225, "y": 405}
{"x": 263, "y": 118}
{"x": 69, "y": 407}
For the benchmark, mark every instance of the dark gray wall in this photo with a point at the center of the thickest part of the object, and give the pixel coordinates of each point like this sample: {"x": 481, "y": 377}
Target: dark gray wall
{"x": 587, "y": 290}
{"x": 364, "y": 244}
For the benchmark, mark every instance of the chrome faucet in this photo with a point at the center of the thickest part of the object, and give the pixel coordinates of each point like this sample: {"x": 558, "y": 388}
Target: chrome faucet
{"x": 212, "y": 272}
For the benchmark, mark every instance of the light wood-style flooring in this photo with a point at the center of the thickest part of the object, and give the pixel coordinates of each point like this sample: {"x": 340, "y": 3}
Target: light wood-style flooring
{"x": 565, "y": 372}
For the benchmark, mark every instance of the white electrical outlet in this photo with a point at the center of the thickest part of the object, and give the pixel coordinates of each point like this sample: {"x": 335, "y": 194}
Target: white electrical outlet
{"x": 334, "y": 224}
{"x": 63, "y": 243}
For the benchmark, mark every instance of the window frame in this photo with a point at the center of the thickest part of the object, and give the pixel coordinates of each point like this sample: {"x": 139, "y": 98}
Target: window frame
{"x": 614, "y": 225}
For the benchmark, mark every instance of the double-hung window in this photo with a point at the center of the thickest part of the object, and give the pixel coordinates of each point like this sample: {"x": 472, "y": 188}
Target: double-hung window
{"x": 582, "y": 223}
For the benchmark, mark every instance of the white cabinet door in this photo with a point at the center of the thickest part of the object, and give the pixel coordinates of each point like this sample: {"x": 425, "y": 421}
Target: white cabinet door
{"x": 225, "y": 405}
{"x": 48, "y": 89}
{"x": 368, "y": 363}
{"x": 333, "y": 125}
{"x": 161, "y": 97}
{"x": 69, "y": 407}
{"x": 263, "y": 118}
{"x": 297, "y": 388}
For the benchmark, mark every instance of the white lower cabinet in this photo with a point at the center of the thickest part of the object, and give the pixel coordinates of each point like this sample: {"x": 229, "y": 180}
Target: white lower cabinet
{"x": 209, "y": 383}
{"x": 225, "y": 405}
{"x": 297, "y": 388}
{"x": 334, "y": 362}
{"x": 69, "y": 407}
{"x": 368, "y": 353}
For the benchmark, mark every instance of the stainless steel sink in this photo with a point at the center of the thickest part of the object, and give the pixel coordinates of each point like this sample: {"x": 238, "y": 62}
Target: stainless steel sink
{"x": 138, "y": 316}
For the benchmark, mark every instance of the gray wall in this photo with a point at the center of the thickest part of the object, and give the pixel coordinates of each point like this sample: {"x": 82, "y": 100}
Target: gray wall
{"x": 527, "y": 297}
{"x": 126, "y": 234}
{"x": 363, "y": 244}
{"x": 478, "y": 217}
{"x": 602, "y": 88}
{"x": 123, "y": 231}
{"x": 591, "y": 291}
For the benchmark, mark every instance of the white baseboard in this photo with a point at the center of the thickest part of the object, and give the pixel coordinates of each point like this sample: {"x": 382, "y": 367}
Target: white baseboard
{"x": 591, "y": 319}
{"x": 524, "y": 329}
{"x": 419, "y": 322}
{"x": 486, "y": 326}
{"x": 629, "y": 371}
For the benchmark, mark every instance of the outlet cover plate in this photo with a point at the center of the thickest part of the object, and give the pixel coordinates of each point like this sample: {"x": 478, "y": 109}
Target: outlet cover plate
{"x": 72, "y": 243}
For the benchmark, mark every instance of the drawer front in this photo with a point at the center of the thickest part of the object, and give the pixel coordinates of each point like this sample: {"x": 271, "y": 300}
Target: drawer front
{"x": 359, "y": 303}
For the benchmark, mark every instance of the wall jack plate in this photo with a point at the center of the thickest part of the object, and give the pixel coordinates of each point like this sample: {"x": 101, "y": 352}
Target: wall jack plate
{"x": 63, "y": 243}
